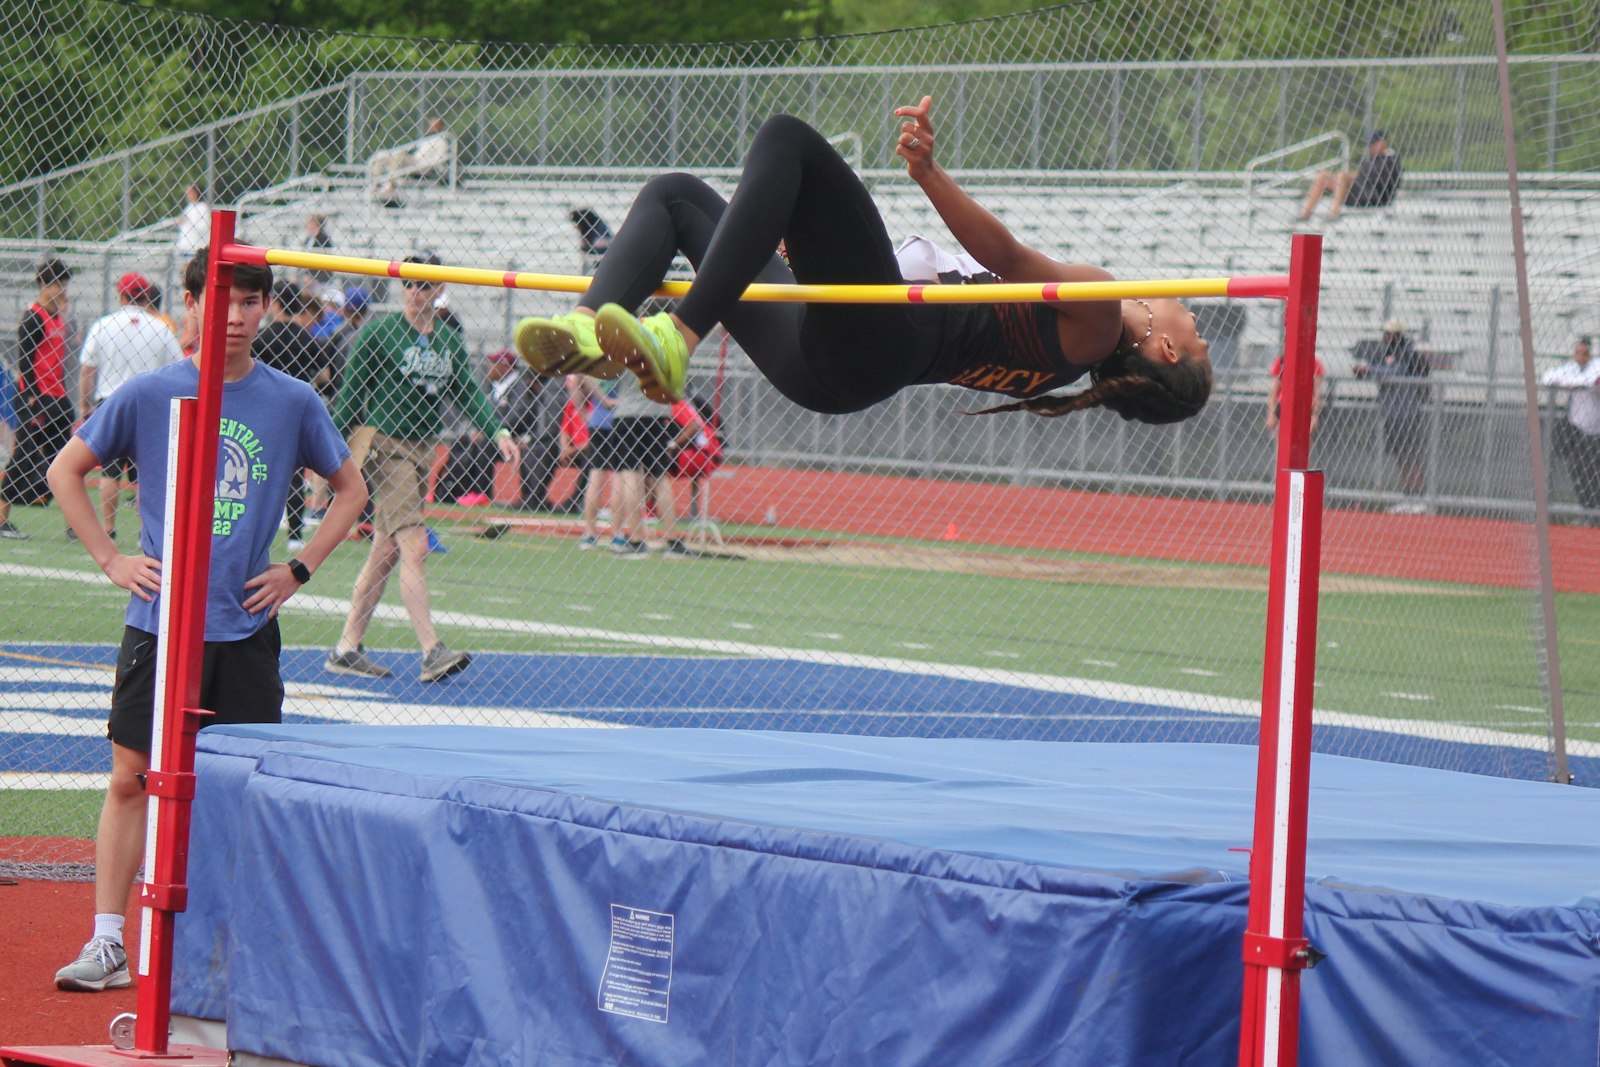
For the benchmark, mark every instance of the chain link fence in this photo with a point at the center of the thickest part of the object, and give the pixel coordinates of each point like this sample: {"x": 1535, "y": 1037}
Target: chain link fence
{"x": 908, "y": 569}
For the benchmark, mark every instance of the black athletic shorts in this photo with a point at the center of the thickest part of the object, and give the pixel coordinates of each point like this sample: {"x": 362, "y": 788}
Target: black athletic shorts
{"x": 596, "y": 455}
{"x": 239, "y": 681}
{"x": 642, "y": 443}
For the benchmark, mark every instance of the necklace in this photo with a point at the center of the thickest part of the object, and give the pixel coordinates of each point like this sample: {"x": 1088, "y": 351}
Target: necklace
{"x": 1150, "y": 324}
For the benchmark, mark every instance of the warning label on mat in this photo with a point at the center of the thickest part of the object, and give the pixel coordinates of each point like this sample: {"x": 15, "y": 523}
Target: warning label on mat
{"x": 638, "y": 974}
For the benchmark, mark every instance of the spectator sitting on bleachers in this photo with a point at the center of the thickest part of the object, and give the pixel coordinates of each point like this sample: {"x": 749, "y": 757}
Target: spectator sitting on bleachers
{"x": 1372, "y": 184}
{"x": 426, "y": 159}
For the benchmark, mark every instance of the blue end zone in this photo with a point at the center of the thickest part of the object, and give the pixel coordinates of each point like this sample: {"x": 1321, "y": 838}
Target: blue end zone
{"x": 665, "y": 691}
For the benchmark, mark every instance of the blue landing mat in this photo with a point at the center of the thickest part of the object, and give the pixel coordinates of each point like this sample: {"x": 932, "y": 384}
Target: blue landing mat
{"x": 478, "y": 895}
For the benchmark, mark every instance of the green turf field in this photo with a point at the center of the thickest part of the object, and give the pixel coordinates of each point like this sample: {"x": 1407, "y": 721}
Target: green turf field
{"x": 1433, "y": 654}
{"x": 50, "y": 813}
{"x": 1454, "y": 654}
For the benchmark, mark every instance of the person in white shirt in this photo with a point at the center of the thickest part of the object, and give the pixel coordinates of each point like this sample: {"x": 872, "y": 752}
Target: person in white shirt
{"x": 194, "y": 224}
{"x": 431, "y": 158}
{"x": 129, "y": 341}
{"x": 427, "y": 159}
{"x": 1578, "y": 437}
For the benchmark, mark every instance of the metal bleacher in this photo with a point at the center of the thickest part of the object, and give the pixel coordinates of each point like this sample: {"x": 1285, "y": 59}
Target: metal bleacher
{"x": 1441, "y": 260}
{"x": 1440, "y": 257}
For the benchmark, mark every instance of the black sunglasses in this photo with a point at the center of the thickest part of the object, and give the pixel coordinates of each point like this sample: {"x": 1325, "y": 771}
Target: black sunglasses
{"x": 412, "y": 283}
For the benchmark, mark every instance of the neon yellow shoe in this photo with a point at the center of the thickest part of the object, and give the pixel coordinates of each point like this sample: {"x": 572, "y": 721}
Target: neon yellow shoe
{"x": 653, "y": 349}
{"x": 564, "y": 344}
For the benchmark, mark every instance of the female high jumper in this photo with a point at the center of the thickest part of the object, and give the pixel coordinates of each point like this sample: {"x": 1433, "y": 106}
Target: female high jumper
{"x": 1144, "y": 358}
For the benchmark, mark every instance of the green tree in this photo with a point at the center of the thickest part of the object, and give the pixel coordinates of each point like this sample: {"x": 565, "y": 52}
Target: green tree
{"x": 522, "y": 21}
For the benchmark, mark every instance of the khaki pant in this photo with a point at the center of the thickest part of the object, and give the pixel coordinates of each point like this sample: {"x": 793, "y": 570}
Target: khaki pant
{"x": 398, "y": 472}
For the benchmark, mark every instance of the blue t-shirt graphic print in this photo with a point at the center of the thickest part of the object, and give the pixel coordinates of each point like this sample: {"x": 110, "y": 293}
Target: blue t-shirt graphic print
{"x": 272, "y": 426}
{"x": 241, "y": 462}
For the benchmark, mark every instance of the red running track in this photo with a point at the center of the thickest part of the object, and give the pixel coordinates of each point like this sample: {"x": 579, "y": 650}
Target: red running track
{"x": 1431, "y": 548}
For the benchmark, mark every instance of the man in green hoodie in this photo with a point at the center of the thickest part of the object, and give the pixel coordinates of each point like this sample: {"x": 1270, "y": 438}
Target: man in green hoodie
{"x": 402, "y": 369}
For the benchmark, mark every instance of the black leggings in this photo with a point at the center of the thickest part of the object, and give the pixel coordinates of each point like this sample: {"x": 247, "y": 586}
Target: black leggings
{"x": 825, "y": 357}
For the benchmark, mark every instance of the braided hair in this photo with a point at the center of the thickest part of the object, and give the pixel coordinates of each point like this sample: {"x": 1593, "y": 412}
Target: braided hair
{"x": 1133, "y": 386}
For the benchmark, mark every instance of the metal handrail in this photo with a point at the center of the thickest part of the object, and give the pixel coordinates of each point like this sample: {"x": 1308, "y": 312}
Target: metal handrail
{"x": 320, "y": 182}
{"x": 1282, "y": 177}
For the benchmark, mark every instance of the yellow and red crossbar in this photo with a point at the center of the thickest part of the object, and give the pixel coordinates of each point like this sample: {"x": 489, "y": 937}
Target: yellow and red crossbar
{"x": 1274, "y": 286}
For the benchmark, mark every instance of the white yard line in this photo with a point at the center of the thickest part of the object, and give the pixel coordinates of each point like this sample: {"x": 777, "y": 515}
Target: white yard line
{"x": 1087, "y": 687}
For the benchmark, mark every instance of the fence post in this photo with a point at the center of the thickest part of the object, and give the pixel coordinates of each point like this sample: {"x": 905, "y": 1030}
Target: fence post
{"x": 542, "y": 155}
{"x": 1541, "y": 485}
{"x": 1036, "y": 119}
{"x": 1552, "y": 116}
{"x": 1198, "y": 118}
{"x": 1430, "y": 489}
{"x": 127, "y": 192}
{"x": 211, "y": 162}
{"x": 1115, "y": 159}
{"x": 350, "y": 122}
{"x": 480, "y": 135}
{"x": 294, "y": 140}
{"x": 1225, "y": 434}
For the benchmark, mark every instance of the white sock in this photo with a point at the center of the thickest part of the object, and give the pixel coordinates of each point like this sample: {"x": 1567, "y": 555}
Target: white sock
{"x": 108, "y": 926}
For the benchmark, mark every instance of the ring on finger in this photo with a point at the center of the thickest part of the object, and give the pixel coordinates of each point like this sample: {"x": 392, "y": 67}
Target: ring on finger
{"x": 916, "y": 142}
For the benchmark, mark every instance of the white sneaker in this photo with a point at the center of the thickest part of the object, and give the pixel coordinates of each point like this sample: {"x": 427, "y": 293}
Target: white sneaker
{"x": 103, "y": 964}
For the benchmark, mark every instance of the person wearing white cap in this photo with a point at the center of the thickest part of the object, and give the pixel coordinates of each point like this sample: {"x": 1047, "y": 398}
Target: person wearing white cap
{"x": 129, "y": 341}
{"x": 1400, "y": 371}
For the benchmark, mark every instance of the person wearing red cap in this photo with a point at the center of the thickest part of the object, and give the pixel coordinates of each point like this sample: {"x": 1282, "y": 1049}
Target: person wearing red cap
{"x": 131, "y": 340}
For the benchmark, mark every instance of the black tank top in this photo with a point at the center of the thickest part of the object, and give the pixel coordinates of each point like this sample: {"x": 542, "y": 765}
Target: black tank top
{"x": 1013, "y": 349}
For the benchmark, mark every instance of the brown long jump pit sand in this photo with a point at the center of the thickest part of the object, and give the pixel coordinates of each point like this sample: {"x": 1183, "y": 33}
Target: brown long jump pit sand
{"x": 1034, "y": 568}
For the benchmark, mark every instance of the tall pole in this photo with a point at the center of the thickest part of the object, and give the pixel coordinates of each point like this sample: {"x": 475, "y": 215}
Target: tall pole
{"x": 1541, "y": 483}
{"x": 191, "y": 501}
{"x": 1275, "y": 949}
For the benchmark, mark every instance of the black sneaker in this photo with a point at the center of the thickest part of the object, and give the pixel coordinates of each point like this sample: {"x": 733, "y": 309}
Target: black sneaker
{"x": 621, "y": 546}
{"x": 9, "y": 531}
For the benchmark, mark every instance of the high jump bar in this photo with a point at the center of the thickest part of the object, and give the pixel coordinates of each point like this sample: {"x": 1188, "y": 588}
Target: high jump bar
{"x": 1269, "y": 286}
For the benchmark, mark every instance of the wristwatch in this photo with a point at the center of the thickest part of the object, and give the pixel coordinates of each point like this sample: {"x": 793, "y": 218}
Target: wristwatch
{"x": 301, "y": 572}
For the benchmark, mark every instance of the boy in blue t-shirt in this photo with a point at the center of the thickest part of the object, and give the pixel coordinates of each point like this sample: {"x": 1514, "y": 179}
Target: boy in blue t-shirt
{"x": 272, "y": 427}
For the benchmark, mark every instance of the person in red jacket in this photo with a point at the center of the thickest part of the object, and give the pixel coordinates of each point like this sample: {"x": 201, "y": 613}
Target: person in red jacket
{"x": 41, "y": 401}
{"x": 700, "y": 453}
